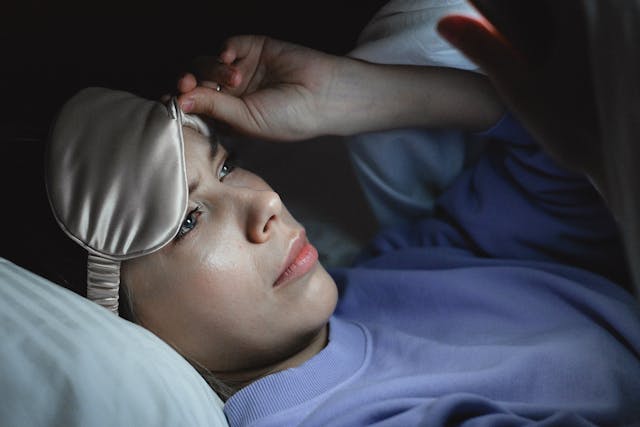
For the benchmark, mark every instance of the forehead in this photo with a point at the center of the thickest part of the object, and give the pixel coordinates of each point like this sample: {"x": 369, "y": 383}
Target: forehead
{"x": 199, "y": 152}
{"x": 194, "y": 139}
{"x": 198, "y": 148}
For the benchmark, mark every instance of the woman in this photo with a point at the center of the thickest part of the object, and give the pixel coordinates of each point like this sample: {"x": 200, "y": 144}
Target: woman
{"x": 499, "y": 309}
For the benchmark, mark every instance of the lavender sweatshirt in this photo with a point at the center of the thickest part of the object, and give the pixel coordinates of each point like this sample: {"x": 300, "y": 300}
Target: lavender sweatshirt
{"x": 507, "y": 308}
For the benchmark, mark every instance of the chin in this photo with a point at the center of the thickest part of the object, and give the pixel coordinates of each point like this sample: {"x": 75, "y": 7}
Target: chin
{"x": 328, "y": 291}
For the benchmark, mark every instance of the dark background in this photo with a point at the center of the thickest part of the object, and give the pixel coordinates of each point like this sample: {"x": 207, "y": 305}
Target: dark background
{"x": 51, "y": 49}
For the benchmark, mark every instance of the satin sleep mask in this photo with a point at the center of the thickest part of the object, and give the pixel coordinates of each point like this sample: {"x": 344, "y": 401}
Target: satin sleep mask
{"x": 116, "y": 179}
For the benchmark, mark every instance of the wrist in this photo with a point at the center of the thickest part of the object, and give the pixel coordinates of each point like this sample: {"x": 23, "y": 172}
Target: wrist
{"x": 344, "y": 98}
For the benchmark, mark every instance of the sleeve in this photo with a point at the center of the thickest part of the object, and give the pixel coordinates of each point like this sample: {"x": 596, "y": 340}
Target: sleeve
{"x": 460, "y": 409}
{"x": 516, "y": 202}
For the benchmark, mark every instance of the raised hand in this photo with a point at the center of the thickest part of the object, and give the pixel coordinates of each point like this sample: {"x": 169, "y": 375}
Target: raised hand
{"x": 269, "y": 88}
{"x": 541, "y": 70}
{"x": 277, "y": 90}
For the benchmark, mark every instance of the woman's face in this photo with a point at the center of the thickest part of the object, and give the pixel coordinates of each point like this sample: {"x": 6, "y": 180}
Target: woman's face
{"x": 240, "y": 287}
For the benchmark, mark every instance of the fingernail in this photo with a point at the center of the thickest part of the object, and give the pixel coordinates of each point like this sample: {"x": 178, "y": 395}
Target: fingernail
{"x": 187, "y": 105}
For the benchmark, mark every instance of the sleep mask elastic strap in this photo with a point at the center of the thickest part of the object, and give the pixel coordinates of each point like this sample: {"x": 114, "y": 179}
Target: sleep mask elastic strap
{"x": 103, "y": 281}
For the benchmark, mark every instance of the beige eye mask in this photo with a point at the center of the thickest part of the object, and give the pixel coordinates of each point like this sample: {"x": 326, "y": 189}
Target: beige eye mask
{"x": 116, "y": 179}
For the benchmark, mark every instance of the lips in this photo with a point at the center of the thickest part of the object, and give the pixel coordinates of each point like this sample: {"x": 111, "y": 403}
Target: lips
{"x": 301, "y": 259}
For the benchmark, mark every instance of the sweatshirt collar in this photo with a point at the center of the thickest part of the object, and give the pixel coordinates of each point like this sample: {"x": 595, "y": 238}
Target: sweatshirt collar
{"x": 345, "y": 353}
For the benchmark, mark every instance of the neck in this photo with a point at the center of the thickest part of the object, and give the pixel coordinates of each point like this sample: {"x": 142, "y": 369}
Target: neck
{"x": 242, "y": 378}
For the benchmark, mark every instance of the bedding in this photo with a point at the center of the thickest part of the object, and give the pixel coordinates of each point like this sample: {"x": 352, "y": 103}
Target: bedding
{"x": 404, "y": 32}
{"x": 65, "y": 361}
{"x": 613, "y": 34}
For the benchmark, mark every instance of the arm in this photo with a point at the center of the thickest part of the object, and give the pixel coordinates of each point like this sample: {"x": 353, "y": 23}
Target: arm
{"x": 532, "y": 76}
{"x": 536, "y": 56}
{"x": 278, "y": 90}
{"x": 370, "y": 97}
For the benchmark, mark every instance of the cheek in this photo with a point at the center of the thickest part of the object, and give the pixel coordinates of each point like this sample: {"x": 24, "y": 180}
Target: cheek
{"x": 208, "y": 278}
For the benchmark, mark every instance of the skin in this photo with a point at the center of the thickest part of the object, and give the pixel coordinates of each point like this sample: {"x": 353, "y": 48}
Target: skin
{"x": 539, "y": 65}
{"x": 558, "y": 76}
{"x": 211, "y": 293}
{"x": 217, "y": 282}
{"x": 285, "y": 92}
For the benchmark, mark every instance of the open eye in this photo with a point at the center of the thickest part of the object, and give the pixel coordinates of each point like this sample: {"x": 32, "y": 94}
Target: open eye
{"x": 189, "y": 223}
{"x": 227, "y": 167}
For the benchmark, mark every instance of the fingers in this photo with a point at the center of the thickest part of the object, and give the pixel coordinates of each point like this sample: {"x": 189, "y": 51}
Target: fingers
{"x": 481, "y": 43}
{"x": 210, "y": 69}
{"x": 239, "y": 47}
{"x": 187, "y": 83}
{"x": 219, "y": 106}
{"x": 232, "y": 69}
{"x": 235, "y": 63}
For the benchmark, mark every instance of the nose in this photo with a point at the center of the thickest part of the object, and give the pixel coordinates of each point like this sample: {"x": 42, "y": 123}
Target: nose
{"x": 264, "y": 211}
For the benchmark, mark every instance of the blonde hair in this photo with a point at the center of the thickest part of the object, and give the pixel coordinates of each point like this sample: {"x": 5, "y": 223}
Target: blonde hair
{"x": 223, "y": 389}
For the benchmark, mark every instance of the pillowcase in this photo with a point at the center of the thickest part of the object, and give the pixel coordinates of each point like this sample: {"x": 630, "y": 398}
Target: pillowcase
{"x": 65, "y": 361}
{"x": 404, "y": 32}
{"x": 403, "y": 171}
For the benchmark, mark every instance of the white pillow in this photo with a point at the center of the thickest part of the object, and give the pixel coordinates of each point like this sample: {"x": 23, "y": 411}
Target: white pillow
{"x": 403, "y": 171}
{"x": 404, "y": 32}
{"x": 65, "y": 361}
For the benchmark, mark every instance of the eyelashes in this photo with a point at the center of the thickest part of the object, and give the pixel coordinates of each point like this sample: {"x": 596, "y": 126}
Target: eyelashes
{"x": 191, "y": 219}
{"x": 189, "y": 223}
{"x": 228, "y": 165}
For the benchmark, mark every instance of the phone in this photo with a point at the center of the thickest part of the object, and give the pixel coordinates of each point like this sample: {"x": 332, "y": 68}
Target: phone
{"x": 527, "y": 24}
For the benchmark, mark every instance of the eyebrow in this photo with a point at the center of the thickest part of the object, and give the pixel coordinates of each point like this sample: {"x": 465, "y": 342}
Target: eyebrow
{"x": 213, "y": 152}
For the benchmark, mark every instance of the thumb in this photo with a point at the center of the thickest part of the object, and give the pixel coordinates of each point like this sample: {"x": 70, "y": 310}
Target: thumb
{"x": 219, "y": 106}
{"x": 481, "y": 43}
